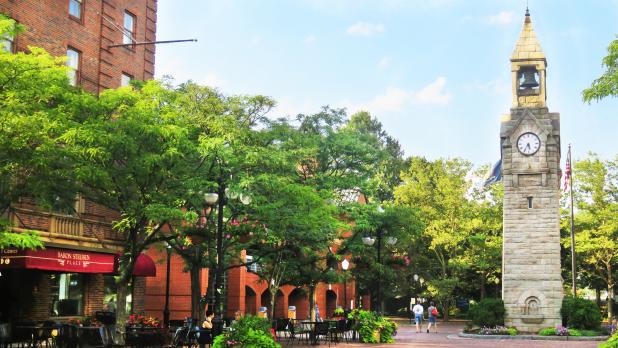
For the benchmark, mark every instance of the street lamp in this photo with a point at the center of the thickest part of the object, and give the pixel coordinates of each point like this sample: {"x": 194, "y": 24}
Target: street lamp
{"x": 220, "y": 199}
{"x": 345, "y": 264}
{"x": 370, "y": 241}
{"x": 166, "y": 310}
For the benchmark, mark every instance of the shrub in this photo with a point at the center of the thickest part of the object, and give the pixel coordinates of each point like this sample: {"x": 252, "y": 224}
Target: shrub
{"x": 574, "y": 332}
{"x": 248, "y": 331}
{"x": 368, "y": 322}
{"x": 488, "y": 312}
{"x": 512, "y": 331}
{"x": 580, "y": 313}
{"x": 388, "y": 329}
{"x": 549, "y": 331}
{"x": 612, "y": 342}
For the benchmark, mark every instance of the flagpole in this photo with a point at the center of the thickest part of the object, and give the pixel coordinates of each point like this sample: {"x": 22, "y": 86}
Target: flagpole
{"x": 570, "y": 177}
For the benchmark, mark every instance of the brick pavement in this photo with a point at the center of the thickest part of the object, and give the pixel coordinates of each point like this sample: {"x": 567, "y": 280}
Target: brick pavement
{"x": 447, "y": 337}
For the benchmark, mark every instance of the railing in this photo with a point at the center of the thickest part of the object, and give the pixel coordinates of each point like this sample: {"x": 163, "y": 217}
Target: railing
{"x": 66, "y": 225}
{"x": 63, "y": 226}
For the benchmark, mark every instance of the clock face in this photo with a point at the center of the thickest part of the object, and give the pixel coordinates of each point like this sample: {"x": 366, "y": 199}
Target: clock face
{"x": 528, "y": 143}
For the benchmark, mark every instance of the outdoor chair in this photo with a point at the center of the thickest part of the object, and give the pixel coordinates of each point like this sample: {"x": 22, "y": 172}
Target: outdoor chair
{"x": 322, "y": 331}
{"x": 337, "y": 330}
{"x": 282, "y": 328}
{"x": 68, "y": 336}
{"x": 22, "y": 334}
{"x": 350, "y": 330}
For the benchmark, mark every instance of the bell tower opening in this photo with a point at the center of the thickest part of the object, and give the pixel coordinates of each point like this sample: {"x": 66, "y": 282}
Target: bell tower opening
{"x": 528, "y": 78}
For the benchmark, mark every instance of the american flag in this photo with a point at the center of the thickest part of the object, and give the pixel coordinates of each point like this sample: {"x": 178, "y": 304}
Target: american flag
{"x": 567, "y": 171}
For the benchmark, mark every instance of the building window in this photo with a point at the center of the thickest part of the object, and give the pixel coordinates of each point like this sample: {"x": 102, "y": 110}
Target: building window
{"x": 76, "y": 8}
{"x": 67, "y": 293}
{"x": 529, "y": 202}
{"x": 129, "y": 28}
{"x": 73, "y": 58}
{"x": 125, "y": 80}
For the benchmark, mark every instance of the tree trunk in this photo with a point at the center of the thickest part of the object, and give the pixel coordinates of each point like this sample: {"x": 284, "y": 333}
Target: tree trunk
{"x": 482, "y": 287}
{"x": 597, "y": 290}
{"x": 196, "y": 293}
{"x": 273, "y": 298}
{"x": 121, "y": 310}
{"x": 312, "y": 316}
{"x": 610, "y": 293}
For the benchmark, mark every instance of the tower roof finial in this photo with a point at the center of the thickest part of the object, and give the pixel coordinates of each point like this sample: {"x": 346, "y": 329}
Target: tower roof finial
{"x": 527, "y": 11}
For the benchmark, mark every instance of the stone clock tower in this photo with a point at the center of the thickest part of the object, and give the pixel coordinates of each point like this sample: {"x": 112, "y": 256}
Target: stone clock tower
{"x": 530, "y": 140}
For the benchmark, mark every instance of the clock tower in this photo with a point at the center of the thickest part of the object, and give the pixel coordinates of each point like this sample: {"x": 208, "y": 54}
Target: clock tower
{"x": 530, "y": 140}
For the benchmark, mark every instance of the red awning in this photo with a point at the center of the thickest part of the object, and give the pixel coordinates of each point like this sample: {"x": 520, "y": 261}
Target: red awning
{"x": 69, "y": 261}
{"x": 56, "y": 259}
{"x": 144, "y": 266}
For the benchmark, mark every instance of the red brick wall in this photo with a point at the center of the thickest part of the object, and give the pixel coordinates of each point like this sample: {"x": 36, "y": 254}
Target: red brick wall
{"x": 50, "y": 27}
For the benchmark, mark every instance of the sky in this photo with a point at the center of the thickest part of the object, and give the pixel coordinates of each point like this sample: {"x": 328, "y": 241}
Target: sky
{"x": 436, "y": 73}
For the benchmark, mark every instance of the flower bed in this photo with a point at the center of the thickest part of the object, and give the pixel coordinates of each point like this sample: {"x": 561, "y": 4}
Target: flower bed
{"x": 495, "y": 330}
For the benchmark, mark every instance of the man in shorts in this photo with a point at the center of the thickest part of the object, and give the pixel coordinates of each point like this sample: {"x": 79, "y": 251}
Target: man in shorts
{"x": 418, "y": 316}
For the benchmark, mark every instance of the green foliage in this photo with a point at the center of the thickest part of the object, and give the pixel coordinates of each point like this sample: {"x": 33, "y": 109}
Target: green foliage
{"x": 488, "y": 312}
{"x": 37, "y": 106}
{"x": 550, "y": 331}
{"x": 574, "y": 332}
{"x": 607, "y": 84}
{"x": 248, "y": 331}
{"x": 611, "y": 342}
{"x": 512, "y": 331}
{"x": 368, "y": 323}
{"x": 580, "y": 313}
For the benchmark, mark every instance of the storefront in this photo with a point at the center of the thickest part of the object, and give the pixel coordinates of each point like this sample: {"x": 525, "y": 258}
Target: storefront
{"x": 56, "y": 282}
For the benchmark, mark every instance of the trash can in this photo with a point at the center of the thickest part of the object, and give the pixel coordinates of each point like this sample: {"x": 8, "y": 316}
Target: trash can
{"x": 263, "y": 312}
{"x": 291, "y": 312}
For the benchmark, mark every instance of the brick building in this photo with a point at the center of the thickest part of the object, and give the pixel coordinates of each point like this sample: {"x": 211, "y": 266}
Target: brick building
{"x": 73, "y": 276}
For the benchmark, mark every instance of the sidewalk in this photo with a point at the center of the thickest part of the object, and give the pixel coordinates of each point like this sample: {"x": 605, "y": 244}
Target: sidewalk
{"x": 447, "y": 337}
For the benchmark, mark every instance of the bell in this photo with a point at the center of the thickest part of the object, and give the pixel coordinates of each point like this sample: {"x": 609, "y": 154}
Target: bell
{"x": 529, "y": 79}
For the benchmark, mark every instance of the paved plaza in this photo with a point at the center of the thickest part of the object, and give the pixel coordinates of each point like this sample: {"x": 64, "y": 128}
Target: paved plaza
{"x": 447, "y": 337}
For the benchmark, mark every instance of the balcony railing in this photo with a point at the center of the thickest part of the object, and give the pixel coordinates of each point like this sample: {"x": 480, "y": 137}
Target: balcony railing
{"x": 56, "y": 225}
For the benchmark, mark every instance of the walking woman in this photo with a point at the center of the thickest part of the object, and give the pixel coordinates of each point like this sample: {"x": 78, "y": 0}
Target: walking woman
{"x": 432, "y": 314}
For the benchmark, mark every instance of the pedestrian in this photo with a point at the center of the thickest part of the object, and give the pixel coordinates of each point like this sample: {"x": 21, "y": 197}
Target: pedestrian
{"x": 207, "y": 324}
{"x": 418, "y": 316}
{"x": 432, "y": 315}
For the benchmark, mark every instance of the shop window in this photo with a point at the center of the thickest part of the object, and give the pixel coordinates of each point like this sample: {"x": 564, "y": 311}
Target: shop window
{"x": 67, "y": 292}
{"x": 76, "y": 8}
{"x": 110, "y": 294}
{"x": 129, "y": 28}
{"x": 253, "y": 267}
{"x": 73, "y": 62}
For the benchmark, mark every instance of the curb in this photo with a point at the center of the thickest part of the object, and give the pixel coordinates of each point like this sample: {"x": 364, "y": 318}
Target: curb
{"x": 534, "y": 337}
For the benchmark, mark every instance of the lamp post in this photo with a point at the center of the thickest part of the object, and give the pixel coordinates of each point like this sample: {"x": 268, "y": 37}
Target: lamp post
{"x": 370, "y": 241}
{"x": 345, "y": 264}
{"x": 166, "y": 310}
{"x": 220, "y": 200}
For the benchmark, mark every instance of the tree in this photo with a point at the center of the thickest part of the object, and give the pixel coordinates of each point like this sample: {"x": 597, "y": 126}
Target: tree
{"x": 596, "y": 240}
{"x": 607, "y": 84}
{"x": 137, "y": 155}
{"x": 439, "y": 191}
{"x": 37, "y": 105}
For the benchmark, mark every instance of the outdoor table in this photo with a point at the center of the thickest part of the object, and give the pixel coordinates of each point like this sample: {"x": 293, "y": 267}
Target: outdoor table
{"x": 314, "y": 335}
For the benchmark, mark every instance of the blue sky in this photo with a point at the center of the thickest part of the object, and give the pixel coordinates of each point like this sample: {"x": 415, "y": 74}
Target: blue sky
{"x": 435, "y": 73}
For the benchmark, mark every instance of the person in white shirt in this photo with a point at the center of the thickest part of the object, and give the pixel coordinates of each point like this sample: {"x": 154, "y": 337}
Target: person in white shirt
{"x": 418, "y": 316}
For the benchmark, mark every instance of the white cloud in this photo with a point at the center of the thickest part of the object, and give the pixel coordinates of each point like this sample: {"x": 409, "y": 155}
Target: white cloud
{"x": 310, "y": 39}
{"x": 504, "y": 17}
{"x": 433, "y": 93}
{"x": 494, "y": 87}
{"x": 384, "y": 63}
{"x": 395, "y": 98}
{"x": 365, "y": 29}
